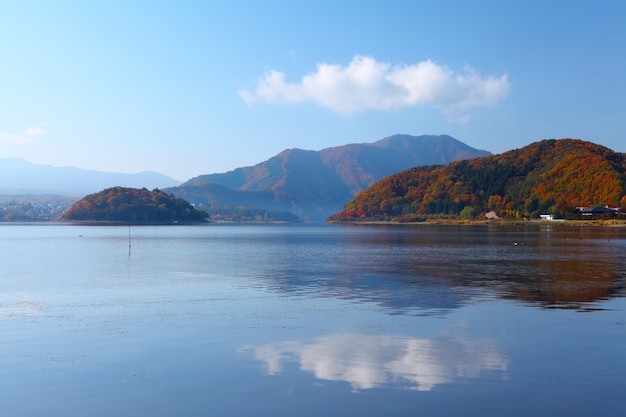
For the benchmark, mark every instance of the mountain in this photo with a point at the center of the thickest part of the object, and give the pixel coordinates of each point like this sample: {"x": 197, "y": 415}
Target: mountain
{"x": 314, "y": 184}
{"x": 547, "y": 177}
{"x": 18, "y": 176}
{"x": 122, "y": 204}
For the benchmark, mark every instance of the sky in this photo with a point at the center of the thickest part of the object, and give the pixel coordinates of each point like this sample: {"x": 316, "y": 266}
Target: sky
{"x": 187, "y": 88}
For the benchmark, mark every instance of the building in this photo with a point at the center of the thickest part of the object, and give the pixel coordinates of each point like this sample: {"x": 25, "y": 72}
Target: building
{"x": 597, "y": 212}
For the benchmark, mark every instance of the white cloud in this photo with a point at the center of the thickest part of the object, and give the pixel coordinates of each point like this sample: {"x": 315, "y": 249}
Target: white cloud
{"x": 369, "y": 361}
{"x": 368, "y": 84}
{"x": 247, "y": 96}
{"x": 22, "y": 137}
{"x": 34, "y": 131}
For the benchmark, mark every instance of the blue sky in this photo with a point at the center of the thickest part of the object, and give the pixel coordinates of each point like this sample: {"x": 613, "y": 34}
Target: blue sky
{"x": 196, "y": 87}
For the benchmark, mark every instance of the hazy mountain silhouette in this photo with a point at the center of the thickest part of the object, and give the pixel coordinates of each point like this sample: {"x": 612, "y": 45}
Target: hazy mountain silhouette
{"x": 18, "y": 176}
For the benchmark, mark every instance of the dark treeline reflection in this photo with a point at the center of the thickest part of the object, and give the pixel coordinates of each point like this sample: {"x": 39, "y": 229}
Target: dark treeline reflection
{"x": 427, "y": 267}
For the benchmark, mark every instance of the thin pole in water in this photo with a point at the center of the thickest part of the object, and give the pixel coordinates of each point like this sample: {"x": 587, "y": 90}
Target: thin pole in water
{"x": 129, "y": 239}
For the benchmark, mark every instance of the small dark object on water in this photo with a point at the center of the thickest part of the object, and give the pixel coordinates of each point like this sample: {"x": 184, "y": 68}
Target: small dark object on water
{"x": 519, "y": 244}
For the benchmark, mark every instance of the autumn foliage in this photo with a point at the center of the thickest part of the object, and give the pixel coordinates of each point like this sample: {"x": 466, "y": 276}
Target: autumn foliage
{"x": 550, "y": 176}
{"x": 133, "y": 205}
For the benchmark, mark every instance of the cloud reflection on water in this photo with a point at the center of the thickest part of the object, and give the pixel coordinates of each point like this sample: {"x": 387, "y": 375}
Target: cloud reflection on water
{"x": 370, "y": 361}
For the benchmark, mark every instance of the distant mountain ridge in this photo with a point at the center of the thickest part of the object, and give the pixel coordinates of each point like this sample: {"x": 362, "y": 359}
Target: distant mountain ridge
{"x": 18, "y": 176}
{"x": 315, "y": 184}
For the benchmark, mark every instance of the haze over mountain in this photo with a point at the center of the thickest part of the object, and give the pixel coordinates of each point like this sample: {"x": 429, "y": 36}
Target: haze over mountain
{"x": 545, "y": 177}
{"x": 18, "y": 176}
{"x": 315, "y": 184}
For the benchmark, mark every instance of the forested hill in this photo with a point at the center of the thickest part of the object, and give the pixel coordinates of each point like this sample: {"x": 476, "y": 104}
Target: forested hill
{"x": 135, "y": 206}
{"x": 547, "y": 177}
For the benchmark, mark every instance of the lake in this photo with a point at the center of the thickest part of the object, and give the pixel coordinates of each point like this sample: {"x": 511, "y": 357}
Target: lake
{"x": 312, "y": 320}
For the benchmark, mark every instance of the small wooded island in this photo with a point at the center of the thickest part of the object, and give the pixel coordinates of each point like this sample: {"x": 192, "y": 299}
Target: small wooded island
{"x": 134, "y": 205}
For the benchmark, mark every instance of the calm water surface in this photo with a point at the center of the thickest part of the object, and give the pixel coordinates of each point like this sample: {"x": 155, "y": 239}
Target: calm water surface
{"x": 282, "y": 320}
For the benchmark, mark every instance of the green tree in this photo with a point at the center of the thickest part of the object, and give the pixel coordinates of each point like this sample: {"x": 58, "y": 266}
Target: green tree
{"x": 468, "y": 213}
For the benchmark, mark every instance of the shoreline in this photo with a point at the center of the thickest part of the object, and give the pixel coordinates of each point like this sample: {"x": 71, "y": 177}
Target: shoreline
{"x": 500, "y": 222}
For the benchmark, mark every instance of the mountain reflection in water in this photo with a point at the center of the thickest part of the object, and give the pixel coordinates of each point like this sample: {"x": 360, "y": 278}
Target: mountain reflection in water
{"x": 312, "y": 320}
{"x": 433, "y": 268}
{"x": 370, "y": 361}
